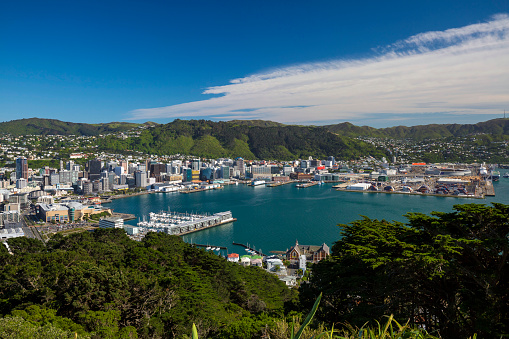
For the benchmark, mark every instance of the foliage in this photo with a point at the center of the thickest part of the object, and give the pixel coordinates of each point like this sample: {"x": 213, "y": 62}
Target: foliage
{"x": 218, "y": 139}
{"x": 495, "y": 127}
{"x": 36, "y": 126}
{"x": 19, "y": 328}
{"x": 114, "y": 287}
{"x": 447, "y": 272}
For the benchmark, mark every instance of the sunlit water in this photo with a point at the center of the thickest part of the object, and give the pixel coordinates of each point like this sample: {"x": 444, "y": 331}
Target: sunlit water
{"x": 274, "y": 218}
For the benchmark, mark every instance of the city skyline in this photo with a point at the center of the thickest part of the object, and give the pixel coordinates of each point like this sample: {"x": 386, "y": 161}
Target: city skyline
{"x": 376, "y": 64}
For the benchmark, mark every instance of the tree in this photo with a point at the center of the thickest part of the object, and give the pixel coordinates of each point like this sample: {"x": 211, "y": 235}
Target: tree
{"x": 447, "y": 272}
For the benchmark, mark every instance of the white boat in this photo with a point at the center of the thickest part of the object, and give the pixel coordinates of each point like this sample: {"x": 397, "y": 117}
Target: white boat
{"x": 506, "y": 175}
{"x": 257, "y": 182}
{"x": 208, "y": 248}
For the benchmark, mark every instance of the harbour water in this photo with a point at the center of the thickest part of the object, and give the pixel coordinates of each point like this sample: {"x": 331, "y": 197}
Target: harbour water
{"x": 274, "y": 218}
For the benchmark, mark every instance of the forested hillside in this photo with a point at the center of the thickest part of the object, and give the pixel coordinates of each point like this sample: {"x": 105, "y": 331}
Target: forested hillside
{"x": 232, "y": 139}
{"x": 36, "y": 126}
{"x": 106, "y": 285}
{"x": 496, "y": 127}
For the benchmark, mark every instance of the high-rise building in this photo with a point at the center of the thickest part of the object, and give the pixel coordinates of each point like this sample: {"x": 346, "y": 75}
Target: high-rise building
{"x": 140, "y": 178}
{"x": 239, "y": 162}
{"x": 196, "y": 164}
{"x": 94, "y": 169}
{"x": 22, "y": 168}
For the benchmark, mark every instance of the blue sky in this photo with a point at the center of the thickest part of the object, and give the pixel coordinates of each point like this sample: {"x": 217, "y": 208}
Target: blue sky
{"x": 307, "y": 62}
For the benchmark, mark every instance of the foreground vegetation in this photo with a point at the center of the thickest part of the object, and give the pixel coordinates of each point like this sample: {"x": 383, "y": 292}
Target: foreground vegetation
{"x": 446, "y": 273}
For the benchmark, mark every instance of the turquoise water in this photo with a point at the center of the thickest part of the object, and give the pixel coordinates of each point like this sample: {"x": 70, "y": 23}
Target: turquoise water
{"x": 273, "y": 218}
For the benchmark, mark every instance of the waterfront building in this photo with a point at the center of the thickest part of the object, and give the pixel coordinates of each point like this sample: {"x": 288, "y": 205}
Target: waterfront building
{"x": 240, "y": 164}
{"x": 313, "y": 253}
{"x": 111, "y": 223}
{"x": 140, "y": 178}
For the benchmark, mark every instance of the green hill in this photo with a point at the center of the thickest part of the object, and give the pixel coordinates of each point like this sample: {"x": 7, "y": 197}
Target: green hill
{"x": 36, "y": 126}
{"x": 495, "y": 127}
{"x": 231, "y": 139}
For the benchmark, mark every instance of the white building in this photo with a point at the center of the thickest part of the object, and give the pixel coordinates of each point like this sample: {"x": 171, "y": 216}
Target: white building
{"x": 111, "y": 223}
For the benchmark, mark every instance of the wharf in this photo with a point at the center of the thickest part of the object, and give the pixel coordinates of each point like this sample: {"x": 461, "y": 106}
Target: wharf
{"x": 490, "y": 190}
{"x": 415, "y": 193}
{"x": 200, "y": 190}
{"x": 309, "y": 184}
{"x": 249, "y": 248}
{"x": 280, "y": 183}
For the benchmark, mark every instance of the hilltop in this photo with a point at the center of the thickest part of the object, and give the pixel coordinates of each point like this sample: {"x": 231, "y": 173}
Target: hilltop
{"x": 37, "y": 126}
{"x": 495, "y": 127}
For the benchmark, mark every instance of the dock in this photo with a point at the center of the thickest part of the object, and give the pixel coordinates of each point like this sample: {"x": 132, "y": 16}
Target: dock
{"x": 211, "y": 246}
{"x": 200, "y": 190}
{"x": 249, "y": 248}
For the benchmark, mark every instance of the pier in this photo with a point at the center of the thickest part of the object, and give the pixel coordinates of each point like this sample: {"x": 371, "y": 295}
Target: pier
{"x": 210, "y": 247}
{"x": 249, "y": 248}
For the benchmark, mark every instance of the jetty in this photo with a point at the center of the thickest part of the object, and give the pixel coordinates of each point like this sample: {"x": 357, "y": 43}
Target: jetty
{"x": 210, "y": 247}
{"x": 184, "y": 223}
{"x": 259, "y": 252}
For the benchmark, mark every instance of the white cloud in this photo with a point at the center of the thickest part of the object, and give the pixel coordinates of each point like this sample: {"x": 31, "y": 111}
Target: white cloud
{"x": 462, "y": 70}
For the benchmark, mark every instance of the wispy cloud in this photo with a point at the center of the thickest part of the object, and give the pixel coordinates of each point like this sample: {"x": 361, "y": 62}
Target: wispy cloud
{"x": 463, "y": 70}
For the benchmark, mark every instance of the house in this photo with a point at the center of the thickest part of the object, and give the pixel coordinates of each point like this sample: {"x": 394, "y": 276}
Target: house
{"x": 313, "y": 253}
{"x": 233, "y": 257}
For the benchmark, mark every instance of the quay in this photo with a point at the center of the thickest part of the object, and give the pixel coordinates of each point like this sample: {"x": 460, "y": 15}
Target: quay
{"x": 415, "y": 193}
{"x": 249, "y": 248}
{"x": 200, "y": 190}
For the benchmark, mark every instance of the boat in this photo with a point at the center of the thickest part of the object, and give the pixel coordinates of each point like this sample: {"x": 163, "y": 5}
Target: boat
{"x": 257, "y": 182}
{"x": 495, "y": 175}
{"x": 208, "y": 248}
{"x": 506, "y": 175}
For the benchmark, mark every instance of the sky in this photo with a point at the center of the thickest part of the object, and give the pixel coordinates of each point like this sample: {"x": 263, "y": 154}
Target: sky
{"x": 317, "y": 62}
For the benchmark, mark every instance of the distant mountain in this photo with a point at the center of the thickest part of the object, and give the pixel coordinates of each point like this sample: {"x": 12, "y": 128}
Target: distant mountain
{"x": 37, "y": 126}
{"x": 239, "y": 139}
{"x": 495, "y": 127}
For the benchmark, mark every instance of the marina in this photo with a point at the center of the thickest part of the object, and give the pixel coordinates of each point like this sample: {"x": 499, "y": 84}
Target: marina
{"x": 184, "y": 223}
